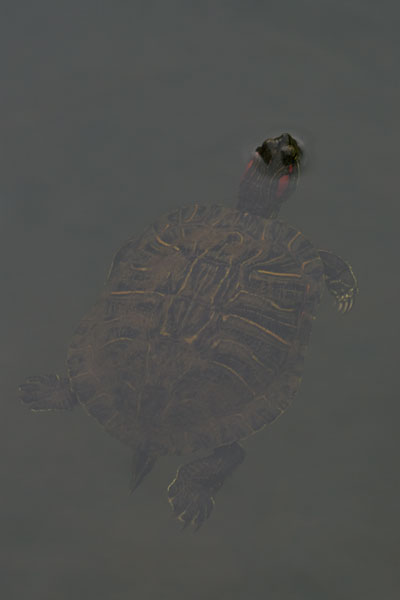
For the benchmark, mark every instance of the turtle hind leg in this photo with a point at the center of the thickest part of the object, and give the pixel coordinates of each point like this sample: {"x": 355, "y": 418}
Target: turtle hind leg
{"x": 47, "y": 392}
{"x": 191, "y": 493}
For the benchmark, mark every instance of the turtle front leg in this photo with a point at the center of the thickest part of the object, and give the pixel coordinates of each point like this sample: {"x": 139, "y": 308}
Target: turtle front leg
{"x": 340, "y": 280}
{"x": 191, "y": 493}
{"x": 47, "y": 392}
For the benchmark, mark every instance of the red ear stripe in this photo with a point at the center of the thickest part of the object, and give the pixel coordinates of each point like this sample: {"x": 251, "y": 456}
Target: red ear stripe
{"x": 282, "y": 185}
{"x": 249, "y": 165}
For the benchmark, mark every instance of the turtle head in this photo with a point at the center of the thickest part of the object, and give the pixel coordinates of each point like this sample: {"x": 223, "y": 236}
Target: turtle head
{"x": 270, "y": 176}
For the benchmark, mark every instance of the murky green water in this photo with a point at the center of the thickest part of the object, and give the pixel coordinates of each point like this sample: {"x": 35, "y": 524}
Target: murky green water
{"x": 112, "y": 114}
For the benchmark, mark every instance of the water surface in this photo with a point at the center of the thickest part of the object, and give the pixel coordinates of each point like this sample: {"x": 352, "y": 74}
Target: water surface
{"x": 112, "y": 114}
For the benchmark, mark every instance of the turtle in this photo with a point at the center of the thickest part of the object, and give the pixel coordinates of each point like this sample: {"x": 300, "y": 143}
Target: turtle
{"x": 198, "y": 338}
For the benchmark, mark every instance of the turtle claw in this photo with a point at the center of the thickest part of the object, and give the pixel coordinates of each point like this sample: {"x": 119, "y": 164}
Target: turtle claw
{"x": 191, "y": 494}
{"x": 345, "y": 303}
{"x": 190, "y": 506}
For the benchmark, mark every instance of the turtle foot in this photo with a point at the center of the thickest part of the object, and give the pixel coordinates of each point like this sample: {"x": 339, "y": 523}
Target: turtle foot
{"x": 191, "y": 502}
{"x": 47, "y": 392}
{"x": 191, "y": 494}
{"x": 340, "y": 280}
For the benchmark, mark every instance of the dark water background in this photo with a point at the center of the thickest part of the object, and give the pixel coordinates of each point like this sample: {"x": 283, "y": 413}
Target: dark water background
{"x": 113, "y": 113}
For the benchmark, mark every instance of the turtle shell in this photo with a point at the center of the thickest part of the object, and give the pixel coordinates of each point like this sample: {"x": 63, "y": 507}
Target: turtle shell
{"x": 199, "y": 336}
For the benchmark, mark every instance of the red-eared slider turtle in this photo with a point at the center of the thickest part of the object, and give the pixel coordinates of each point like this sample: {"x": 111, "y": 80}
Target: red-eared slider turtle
{"x": 199, "y": 335}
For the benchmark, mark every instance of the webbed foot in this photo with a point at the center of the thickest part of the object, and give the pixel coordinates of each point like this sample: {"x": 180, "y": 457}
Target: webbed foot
{"x": 191, "y": 503}
{"x": 191, "y": 493}
{"x": 340, "y": 280}
{"x": 47, "y": 392}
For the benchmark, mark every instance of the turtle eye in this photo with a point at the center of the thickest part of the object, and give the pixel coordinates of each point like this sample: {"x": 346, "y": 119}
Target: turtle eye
{"x": 289, "y": 155}
{"x": 265, "y": 153}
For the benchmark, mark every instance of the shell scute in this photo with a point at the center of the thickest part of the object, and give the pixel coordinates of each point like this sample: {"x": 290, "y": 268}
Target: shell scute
{"x": 200, "y": 334}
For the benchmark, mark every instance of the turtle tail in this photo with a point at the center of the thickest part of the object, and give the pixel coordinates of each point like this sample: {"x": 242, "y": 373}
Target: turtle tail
{"x": 144, "y": 459}
{"x": 47, "y": 392}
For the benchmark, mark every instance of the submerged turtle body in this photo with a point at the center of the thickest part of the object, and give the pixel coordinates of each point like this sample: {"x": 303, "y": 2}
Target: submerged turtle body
{"x": 199, "y": 337}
